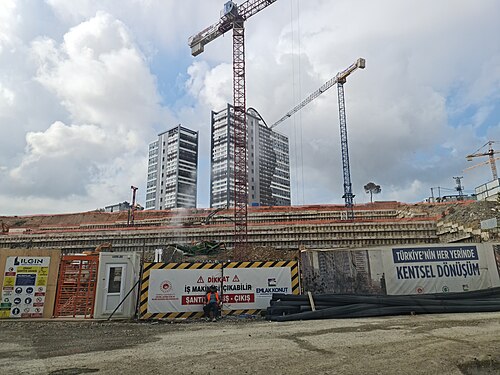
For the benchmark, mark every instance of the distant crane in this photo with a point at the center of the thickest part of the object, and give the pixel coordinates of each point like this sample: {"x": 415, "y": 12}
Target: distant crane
{"x": 132, "y": 208}
{"x": 233, "y": 17}
{"x": 459, "y": 187}
{"x": 490, "y": 153}
{"x": 339, "y": 79}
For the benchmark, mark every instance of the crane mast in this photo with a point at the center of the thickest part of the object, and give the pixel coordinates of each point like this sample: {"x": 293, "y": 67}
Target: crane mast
{"x": 233, "y": 17}
{"x": 346, "y": 170}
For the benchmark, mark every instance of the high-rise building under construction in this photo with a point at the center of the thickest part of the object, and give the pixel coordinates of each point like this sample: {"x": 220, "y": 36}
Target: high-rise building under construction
{"x": 172, "y": 170}
{"x": 268, "y": 162}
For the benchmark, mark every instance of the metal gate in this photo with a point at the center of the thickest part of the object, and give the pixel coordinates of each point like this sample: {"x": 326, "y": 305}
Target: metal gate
{"x": 76, "y": 286}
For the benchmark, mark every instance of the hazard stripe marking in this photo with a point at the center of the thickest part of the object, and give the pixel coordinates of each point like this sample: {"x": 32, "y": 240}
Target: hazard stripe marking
{"x": 144, "y": 314}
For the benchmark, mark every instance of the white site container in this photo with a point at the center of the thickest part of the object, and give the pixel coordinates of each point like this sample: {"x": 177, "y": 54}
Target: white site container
{"x": 118, "y": 273}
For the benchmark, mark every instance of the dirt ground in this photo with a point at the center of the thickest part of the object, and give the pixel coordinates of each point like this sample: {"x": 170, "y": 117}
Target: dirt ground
{"x": 427, "y": 344}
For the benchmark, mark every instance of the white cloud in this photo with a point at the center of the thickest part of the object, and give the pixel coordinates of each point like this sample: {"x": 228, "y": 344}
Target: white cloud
{"x": 212, "y": 87}
{"x": 96, "y": 78}
{"x": 99, "y": 75}
{"x": 104, "y": 84}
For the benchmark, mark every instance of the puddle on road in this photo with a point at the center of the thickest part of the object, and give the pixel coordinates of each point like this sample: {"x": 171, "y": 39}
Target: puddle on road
{"x": 484, "y": 367}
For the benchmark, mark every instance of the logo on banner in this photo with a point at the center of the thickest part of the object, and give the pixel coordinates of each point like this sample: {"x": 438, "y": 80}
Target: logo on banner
{"x": 27, "y": 261}
{"x": 272, "y": 281}
{"x": 445, "y": 289}
{"x": 200, "y": 280}
{"x": 419, "y": 290}
{"x": 166, "y": 286}
{"x": 236, "y": 279}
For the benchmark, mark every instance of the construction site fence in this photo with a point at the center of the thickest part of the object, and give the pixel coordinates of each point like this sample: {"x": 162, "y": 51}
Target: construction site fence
{"x": 177, "y": 290}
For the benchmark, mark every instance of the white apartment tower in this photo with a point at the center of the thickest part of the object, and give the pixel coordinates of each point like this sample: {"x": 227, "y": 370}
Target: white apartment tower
{"x": 268, "y": 162}
{"x": 172, "y": 170}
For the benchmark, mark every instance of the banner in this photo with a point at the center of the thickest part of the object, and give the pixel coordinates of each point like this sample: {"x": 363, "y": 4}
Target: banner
{"x": 436, "y": 269}
{"x": 419, "y": 269}
{"x": 179, "y": 289}
{"x": 24, "y": 287}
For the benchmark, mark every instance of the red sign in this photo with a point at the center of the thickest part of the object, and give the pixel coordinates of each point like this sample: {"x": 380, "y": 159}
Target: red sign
{"x": 226, "y": 298}
{"x": 239, "y": 298}
{"x": 193, "y": 300}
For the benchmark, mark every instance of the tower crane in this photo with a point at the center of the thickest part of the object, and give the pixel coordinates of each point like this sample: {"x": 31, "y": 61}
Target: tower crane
{"x": 490, "y": 153}
{"x": 339, "y": 79}
{"x": 360, "y": 63}
{"x": 233, "y": 17}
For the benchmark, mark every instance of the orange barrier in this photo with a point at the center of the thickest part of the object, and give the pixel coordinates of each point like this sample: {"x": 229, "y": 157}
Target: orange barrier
{"x": 76, "y": 286}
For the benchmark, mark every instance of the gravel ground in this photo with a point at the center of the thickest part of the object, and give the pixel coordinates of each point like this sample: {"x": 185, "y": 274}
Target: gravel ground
{"x": 427, "y": 344}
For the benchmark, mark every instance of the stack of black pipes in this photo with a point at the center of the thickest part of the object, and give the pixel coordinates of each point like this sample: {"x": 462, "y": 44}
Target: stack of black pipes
{"x": 287, "y": 307}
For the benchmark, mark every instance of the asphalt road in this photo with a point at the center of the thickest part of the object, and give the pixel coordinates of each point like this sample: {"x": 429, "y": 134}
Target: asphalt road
{"x": 427, "y": 344}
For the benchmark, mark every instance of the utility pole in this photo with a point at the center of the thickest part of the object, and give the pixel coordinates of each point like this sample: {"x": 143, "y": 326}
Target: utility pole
{"x": 439, "y": 193}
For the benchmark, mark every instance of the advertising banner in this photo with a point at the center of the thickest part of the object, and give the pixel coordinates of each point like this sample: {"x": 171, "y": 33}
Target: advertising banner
{"x": 24, "y": 286}
{"x": 436, "y": 269}
{"x": 399, "y": 270}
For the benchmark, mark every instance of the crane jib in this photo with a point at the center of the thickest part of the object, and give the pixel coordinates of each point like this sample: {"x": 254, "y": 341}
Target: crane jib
{"x": 340, "y": 77}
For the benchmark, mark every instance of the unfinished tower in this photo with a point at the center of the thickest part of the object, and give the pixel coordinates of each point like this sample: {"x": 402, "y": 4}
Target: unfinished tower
{"x": 268, "y": 162}
{"x": 172, "y": 170}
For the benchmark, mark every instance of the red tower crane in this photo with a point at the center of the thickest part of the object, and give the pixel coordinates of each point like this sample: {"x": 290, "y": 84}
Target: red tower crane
{"x": 233, "y": 17}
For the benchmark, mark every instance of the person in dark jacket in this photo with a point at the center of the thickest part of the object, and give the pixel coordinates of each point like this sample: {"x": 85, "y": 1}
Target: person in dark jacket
{"x": 212, "y": 303}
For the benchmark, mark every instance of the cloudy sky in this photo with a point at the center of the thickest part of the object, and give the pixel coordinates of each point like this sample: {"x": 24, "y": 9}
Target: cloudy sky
{"x": 86, "y": 85}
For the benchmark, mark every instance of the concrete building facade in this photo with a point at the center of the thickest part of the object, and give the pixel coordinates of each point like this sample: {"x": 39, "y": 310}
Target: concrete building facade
{"x": 172, "y": 170}
{"x": 268, "y": 162}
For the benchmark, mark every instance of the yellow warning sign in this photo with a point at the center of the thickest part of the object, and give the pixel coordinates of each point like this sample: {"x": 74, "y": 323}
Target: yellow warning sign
{"x": 41, "y": 281}
{"x": 4, "y": 313}
{"x": 9, "y": 281}
{"x": 44, "y": 271}
{"x": 27, "y": 269}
